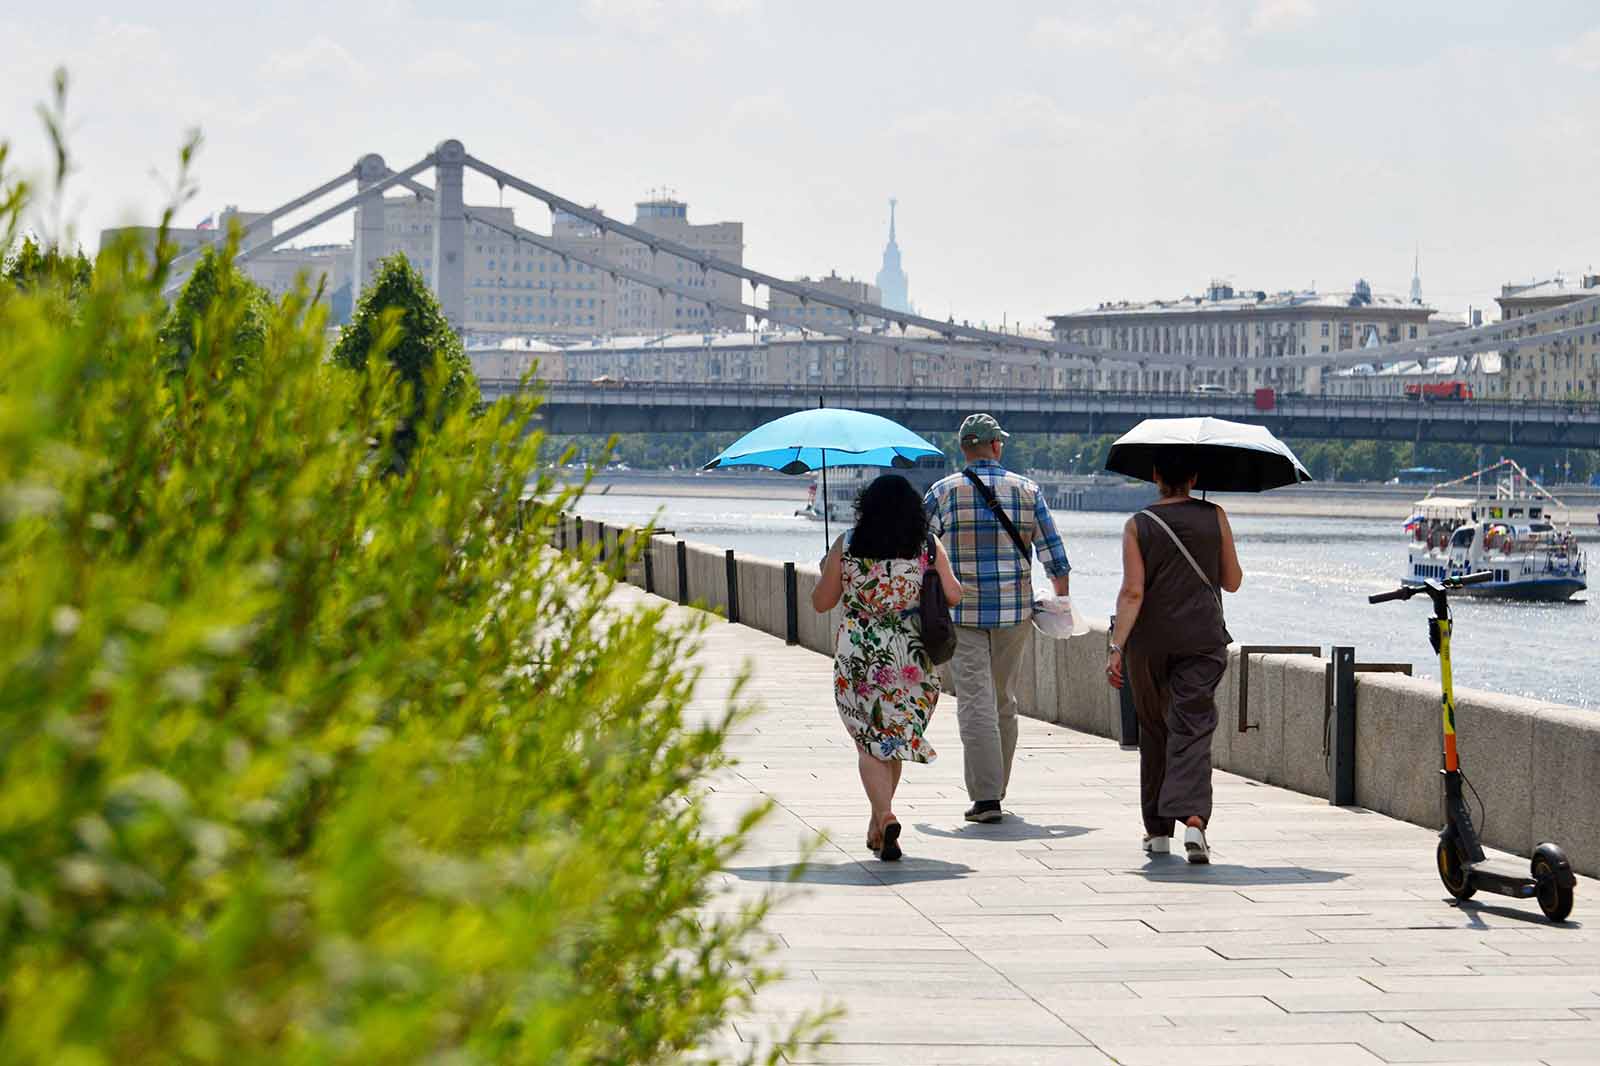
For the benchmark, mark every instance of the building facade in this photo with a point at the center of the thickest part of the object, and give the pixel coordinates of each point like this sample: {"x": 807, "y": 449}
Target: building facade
{"x": 514, "y": 286}
{"x": 1480, "y": 372}
{"x": 1249, "y": 325}
{"x": 823, "y": 316}
{"x": 768, "y": 357}
{"x": 1566, "y": 369}
{"x": 326, "y": 266}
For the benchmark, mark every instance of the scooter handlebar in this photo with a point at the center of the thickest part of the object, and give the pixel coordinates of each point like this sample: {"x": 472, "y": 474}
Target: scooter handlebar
{"x": 1440, "y": 587}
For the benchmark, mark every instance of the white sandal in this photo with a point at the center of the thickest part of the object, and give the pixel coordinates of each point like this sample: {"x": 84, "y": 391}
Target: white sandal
{"x": 1157, "y": 845}
{"x": 1194, "y": 844}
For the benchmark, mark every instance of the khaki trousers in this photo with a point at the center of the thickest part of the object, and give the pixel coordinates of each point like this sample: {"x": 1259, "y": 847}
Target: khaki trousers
{"x": 984, "y": 669}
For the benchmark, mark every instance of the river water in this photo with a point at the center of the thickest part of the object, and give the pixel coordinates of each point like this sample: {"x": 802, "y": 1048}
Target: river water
{"x": 1306, "y": 582}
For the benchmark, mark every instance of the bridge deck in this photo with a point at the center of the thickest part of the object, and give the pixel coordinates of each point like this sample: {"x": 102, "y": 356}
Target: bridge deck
{"x": 643, "y": 406}
{"x": 1318, "y": 935}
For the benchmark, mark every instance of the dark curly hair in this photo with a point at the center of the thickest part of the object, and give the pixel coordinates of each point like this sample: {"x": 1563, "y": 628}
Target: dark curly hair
{"x": 890, "y": 521}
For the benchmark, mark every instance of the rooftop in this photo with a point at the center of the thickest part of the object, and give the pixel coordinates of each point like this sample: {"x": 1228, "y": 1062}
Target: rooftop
{"x": 1556, "y": 288}
{"x": 1225, "y": 299}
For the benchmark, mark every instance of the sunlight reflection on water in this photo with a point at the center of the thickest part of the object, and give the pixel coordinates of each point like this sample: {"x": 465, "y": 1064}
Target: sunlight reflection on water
{"x": 1306, "y": 582}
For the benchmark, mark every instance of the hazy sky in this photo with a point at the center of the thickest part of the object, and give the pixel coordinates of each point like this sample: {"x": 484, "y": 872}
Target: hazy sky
{"x": 1046, "y": 156}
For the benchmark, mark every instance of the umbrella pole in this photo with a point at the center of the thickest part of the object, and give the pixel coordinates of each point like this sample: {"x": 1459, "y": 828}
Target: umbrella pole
{"x": 827, "y": 535}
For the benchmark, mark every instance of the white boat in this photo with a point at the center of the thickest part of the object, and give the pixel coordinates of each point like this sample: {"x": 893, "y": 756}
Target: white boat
{"x": 1507, "y": 527}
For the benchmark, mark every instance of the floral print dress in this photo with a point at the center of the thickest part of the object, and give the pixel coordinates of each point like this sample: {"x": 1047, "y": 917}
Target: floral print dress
{"x": 882, "y": 680}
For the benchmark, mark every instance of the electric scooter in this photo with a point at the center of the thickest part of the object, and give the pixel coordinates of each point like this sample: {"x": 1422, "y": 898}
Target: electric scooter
{"x": 1462, "y": 865}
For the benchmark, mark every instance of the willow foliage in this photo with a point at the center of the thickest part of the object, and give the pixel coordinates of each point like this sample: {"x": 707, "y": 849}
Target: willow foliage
{"x": 307, "y": 756}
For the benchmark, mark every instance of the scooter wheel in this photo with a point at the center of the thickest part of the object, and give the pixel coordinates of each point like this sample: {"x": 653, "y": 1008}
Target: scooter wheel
{"x": 1453, "y": 869}
{"x": 1553, "y": 881}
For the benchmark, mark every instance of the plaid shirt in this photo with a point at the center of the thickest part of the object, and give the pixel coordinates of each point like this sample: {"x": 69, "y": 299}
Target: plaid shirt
{"x": 996, "y": 582}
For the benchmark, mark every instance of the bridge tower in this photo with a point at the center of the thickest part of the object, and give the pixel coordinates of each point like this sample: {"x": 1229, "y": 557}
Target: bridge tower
{"x": 371, "y": 236}
{"x": 450, "y": 233}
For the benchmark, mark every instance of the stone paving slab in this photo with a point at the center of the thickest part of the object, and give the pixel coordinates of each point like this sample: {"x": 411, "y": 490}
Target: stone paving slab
{"x": 1319, "y": 936}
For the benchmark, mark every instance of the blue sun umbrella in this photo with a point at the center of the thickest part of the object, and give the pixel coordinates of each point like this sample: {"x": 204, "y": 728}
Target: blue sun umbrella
{"x": 825, "y": 437}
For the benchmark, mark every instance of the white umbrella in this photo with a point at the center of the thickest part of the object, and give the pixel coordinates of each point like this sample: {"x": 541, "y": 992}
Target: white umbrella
{"x": 1230, "y": 456}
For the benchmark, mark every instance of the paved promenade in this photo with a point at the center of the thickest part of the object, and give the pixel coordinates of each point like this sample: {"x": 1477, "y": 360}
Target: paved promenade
{"x": 1317, "y": 936}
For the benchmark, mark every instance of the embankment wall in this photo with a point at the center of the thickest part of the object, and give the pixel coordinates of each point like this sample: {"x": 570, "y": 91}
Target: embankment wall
{"x": 1536, "y": 766}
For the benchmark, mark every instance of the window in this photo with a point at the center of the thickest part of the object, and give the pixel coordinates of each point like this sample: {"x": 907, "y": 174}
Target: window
{"x": 1411, "y": 333}
{"x": 1324, "y": 332}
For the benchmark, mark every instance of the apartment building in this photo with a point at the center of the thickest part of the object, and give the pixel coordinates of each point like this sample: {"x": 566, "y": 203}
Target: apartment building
{"x": 515, "y": 286}
{"x": 1249, "y": 325}
{"x": 764, "y": 357}
{"x": 822, "y": 316}
{"x": 1555, "y": 370}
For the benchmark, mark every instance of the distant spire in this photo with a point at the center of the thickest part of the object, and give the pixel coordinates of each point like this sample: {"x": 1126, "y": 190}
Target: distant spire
{"x": 1416, "y": 277}
{"x": 892, "y": 280}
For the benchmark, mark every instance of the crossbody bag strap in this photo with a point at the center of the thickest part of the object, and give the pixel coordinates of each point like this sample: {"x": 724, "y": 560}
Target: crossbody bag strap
{"x": 1201, "y": 574}
{"x": 999, "y": 512}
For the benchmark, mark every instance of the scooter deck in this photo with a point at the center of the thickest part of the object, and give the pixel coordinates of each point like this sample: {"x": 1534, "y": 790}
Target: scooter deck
{"x": 1502, "y": 882}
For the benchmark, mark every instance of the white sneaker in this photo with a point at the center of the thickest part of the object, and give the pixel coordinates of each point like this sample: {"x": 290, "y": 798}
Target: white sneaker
{"x": 1194, "y": 844}
{"x": 1158, "y": 845}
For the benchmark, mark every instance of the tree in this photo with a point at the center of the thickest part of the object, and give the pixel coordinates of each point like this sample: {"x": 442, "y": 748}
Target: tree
{"x": 399, "y": 321}
{"x": 59, "y": 278}
{"x": 219, "y": 306}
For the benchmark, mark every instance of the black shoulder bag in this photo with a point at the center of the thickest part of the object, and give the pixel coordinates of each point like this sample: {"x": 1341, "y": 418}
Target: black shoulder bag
{"x": 1000, "y": 513}
{"x": 933, "y": 613}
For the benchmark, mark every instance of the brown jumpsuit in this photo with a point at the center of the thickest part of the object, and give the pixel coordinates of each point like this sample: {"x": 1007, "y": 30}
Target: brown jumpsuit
{"x": 1175, "y": 657}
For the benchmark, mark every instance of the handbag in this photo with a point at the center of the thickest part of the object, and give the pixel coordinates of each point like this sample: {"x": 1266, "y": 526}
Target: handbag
{"x": 1201, "y": 614}
{"x": 933, "y": 614}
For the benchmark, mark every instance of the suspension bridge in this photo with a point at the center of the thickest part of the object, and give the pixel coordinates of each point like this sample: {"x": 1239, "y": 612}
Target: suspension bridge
{"x": 687, "y": 408}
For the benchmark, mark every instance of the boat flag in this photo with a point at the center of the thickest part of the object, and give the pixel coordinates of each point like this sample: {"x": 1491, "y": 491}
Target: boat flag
{"x": 209, "y": 222}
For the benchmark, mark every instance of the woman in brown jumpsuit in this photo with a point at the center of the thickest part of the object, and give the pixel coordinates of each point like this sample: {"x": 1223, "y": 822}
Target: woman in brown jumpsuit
{"x": 1169, "y": 620}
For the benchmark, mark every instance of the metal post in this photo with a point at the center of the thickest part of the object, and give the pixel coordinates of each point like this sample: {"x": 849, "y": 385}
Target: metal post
{"x": 791, "y": 603}
{"x": 370, "y": 239}
{"x": 1342, "y": 723}
{"x": 600, "y": 533}
{"x": 733, "y": 585}
{"x": 450, "y": 233}
{"x": 683, "y": 572}
{"x": 650, "y": 566}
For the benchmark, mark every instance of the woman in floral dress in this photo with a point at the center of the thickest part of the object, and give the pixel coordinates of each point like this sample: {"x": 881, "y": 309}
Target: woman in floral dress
{"x": 882, "y": 680}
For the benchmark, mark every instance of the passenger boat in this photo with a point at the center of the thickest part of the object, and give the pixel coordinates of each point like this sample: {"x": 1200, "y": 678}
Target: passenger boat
{"x": 1508, "y": 526}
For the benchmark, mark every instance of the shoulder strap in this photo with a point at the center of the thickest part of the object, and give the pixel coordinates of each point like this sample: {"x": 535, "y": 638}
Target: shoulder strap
{"x": 999, "y": 512}
{"x": 1201, "y": 574}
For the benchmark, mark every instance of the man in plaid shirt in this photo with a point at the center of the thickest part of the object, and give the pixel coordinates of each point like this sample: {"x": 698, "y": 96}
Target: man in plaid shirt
{"x": 991, "y": 620}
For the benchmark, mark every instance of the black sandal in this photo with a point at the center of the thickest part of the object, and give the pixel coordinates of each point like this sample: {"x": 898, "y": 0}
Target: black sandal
{"x": 891, "y": 843}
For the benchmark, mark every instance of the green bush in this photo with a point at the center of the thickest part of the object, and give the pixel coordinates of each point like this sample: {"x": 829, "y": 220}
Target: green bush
{"x": 309, "y": 756}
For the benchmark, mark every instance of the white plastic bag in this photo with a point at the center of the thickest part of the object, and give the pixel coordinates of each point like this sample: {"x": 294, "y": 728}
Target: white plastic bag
{"x": 1054, "y": 617}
